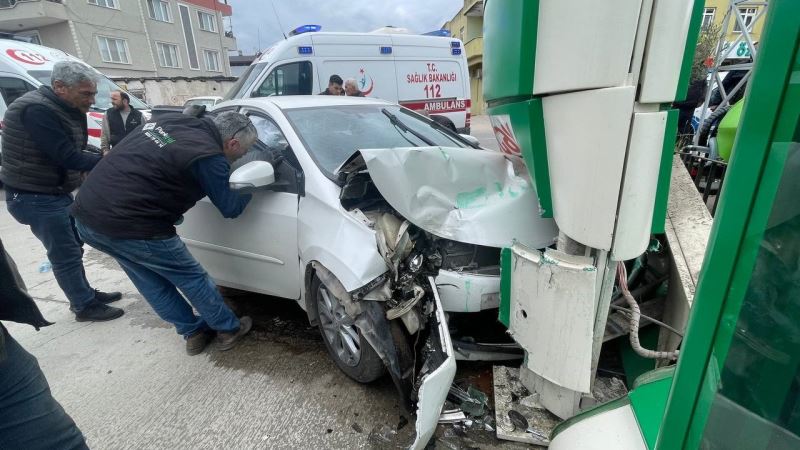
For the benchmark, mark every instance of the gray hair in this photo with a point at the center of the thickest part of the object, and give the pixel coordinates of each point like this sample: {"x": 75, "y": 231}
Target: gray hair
{"x": 72, "y": 73}
{"x": 351, "y": 82}
{"x": 231, "y": 123}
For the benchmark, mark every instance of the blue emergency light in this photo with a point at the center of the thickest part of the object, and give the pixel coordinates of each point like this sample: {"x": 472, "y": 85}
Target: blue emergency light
{"x": 455, "y": 44}
{"x": 304, "y": 50}
{"x": 386, "y": 50}
{"x": 305, "y": 29}
{"x": 456, "y": 51}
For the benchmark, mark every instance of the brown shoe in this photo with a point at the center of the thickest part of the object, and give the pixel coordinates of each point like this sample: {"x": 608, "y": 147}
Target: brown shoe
{"x": 226, "y": 341}
{"x": 196, "y": 343}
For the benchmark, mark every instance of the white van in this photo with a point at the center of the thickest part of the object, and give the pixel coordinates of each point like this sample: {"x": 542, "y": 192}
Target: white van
{"x": 424, "y": 73}
{"x": 24, "y": 67}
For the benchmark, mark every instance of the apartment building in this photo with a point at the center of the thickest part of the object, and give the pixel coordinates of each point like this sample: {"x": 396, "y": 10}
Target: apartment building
{"x": 467, "y": 25}
{"x": 130, "y": 38}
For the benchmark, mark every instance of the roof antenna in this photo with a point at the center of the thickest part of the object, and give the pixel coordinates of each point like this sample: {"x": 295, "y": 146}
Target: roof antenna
{"x": 278, "y": 18}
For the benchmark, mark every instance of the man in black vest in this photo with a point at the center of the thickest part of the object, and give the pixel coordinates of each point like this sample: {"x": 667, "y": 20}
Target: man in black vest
{"x": 44, "y": 153}
{"x": 118, "y": 121}
{"x": 130, "y": 203}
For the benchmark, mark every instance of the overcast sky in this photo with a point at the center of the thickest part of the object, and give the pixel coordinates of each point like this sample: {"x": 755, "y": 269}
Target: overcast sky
{"x": 252, "y": 18}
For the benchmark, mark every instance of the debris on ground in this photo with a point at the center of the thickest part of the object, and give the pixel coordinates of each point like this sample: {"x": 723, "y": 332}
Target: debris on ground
{"x": 517, "y": 422}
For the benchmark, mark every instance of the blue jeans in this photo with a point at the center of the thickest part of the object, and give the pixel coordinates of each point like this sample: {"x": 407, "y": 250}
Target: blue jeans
{"x": 49, "y": 220}
{"x": 158, "y": 268}
{"x": 30, "y": 417}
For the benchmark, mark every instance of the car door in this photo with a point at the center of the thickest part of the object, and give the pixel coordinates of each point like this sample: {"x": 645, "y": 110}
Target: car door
{"x": 11, "y": 88}
{"x": 258, "y": 250}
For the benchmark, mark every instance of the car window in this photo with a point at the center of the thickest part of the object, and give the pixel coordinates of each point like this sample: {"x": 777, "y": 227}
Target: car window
{"x": 245, "y": 81}
{"x": 288, "y": 79}
{"x": 13, "y": 88}
{"x": 332, "y": 134}
{"x": 273, "y": 147}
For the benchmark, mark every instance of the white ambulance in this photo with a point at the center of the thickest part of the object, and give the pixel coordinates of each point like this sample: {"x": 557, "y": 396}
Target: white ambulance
{"x": 424, "y": 73}
{"x": 24, "y": 67}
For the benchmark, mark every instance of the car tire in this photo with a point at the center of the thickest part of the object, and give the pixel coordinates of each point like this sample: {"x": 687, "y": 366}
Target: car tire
{"x": 345, "y": 344}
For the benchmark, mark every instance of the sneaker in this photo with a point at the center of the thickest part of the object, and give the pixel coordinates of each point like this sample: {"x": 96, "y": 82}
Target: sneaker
{"x": 98, "y": 312}
{"x": 107, "y": 297}
{"x": 226, "y": 341}
{"x": 196, "y": 343}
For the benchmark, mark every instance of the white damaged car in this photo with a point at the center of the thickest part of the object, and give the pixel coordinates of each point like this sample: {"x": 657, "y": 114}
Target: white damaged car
{"x": 378, "y": 222}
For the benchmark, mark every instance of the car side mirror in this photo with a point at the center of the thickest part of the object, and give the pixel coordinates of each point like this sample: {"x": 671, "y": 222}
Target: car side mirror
{"x": 471, "y": 139}
{"x": 254, "y": 174}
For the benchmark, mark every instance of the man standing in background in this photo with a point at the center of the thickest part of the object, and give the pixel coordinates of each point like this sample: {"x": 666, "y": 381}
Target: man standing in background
{"x": 118, "y": 121}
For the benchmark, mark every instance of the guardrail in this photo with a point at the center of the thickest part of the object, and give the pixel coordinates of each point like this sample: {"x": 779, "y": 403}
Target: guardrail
{"x": 708, "y": 174}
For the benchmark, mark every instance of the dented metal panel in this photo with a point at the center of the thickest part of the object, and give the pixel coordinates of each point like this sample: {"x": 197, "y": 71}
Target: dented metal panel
{"x": 436, "y": 384}
{"x": 468, "y": 292}
{"x": 552, "y": 314}
{"x": 467, "y": 195}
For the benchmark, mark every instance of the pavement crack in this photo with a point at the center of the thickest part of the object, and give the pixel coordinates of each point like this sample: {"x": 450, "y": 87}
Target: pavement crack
{"x": 62, "y": 335}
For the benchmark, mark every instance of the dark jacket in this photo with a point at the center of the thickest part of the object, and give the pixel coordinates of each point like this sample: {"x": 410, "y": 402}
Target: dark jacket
{"x": 120, "y": 129}
{"x": 27, "y": 166}
{"x": 15, "y": 303}
{"x": 142, "y": 188}
{"x": 327, "y": 92}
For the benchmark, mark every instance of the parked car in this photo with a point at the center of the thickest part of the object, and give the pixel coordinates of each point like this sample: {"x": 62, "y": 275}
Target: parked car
{"x": 378, "y": 222}
{"x": 208, "y": 101}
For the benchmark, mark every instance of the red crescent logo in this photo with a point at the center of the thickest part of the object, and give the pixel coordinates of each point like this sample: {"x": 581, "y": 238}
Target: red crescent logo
{"x": 371, "y": 86}
{"x": 26, "y": 56}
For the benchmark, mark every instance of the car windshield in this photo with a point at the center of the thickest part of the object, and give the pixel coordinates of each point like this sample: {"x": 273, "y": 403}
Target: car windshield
{"x": 105, "y": 86}
{"x": 332, "y": 134}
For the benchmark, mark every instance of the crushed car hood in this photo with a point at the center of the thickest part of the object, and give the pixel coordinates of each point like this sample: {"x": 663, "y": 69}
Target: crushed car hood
{"x": 467, "y": 195}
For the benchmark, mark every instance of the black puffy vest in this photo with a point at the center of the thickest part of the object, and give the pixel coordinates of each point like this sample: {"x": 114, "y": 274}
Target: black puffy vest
{"x": 139, "y": 190}
{"x": 117, "y": 128}
{"x": 26, "y": 167}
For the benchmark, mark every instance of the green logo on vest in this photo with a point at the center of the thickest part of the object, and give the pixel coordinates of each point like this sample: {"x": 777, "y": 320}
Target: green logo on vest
{"x": 157, "y": 134}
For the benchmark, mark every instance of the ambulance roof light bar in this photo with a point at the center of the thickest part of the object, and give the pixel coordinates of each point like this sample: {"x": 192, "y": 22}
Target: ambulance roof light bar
{"x": 305, "y": 29}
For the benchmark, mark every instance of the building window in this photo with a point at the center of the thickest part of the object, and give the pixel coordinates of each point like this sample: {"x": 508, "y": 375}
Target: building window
{"x": 168, "y": 55}
{"x": 105, "y": 3}
{"x": 207, "y": 21}
{"x": 708, "y": 17}
{"x": 747, "y": 15}
{"x": 188, "y": 34}
{"x": 159, "y": 10}
{"x": 113, "y": 50}
{"x": 212, "y": 60}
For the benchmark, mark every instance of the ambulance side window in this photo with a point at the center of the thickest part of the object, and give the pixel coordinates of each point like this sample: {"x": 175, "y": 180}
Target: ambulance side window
{"x": 289, "y": 79}
{"x": 13, "y": 88}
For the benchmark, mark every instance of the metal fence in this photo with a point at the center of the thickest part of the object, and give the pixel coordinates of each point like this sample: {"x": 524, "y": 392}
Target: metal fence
{"x": 707, "y": 173}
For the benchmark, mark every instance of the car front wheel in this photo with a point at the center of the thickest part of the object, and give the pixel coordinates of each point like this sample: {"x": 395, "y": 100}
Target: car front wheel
{"x": 346, "y": 345}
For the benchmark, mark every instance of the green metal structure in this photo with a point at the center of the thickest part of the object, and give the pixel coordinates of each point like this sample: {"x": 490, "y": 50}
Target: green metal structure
{"x": 737, "y": 383}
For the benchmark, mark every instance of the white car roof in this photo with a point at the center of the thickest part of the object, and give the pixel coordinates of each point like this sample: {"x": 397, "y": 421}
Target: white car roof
{"x": 206, "y": 97}
{"x": 306, "y": 101}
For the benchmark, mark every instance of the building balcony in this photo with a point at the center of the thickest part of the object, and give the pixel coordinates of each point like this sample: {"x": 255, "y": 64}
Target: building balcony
{"x": 18, "y": 15}
{"x": 474, "y": 49}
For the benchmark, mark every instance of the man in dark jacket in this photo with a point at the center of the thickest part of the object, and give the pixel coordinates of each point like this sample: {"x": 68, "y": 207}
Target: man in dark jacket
{"x": 334, "y": 86}
{"x": 44, "y": 153}
{"x": 30, "y": 417}
{"x": 118, "y": 121}
{"x": 130, "y": 203}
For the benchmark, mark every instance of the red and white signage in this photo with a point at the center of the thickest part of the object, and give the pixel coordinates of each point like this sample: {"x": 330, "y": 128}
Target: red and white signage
{"x": 26, "y": 56}
{"x": 445, "y": 105}
{"x": 501, "y": 125}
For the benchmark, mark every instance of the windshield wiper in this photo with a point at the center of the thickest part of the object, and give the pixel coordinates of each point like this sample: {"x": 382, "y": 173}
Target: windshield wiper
{"x": 399, "y": 123}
